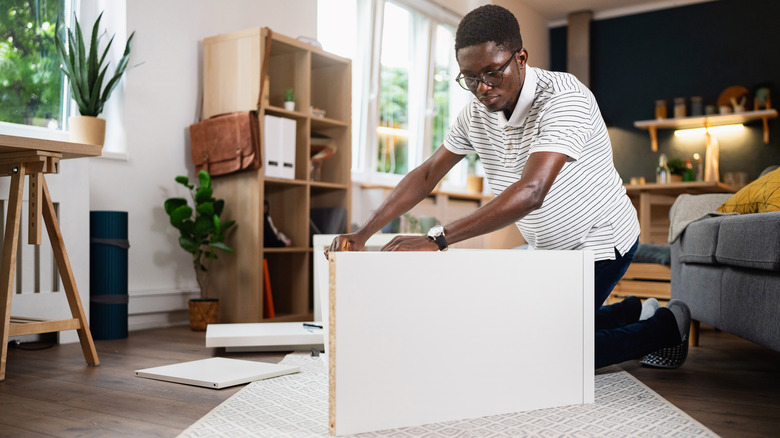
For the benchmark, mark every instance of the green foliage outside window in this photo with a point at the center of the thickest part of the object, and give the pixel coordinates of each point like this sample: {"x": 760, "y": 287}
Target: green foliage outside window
{"x": 30, "y": 80}
{"x": 441, "y": 98}
{"x": 394, "y": 113}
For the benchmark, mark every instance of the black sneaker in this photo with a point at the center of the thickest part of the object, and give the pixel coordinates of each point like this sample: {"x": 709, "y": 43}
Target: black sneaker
{"x": 673, "y": 357}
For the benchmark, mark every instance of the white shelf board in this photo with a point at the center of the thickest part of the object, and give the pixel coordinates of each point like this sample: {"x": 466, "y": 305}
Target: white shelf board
{"x": 265, "y": 336}
{"x": 216, "y": 372}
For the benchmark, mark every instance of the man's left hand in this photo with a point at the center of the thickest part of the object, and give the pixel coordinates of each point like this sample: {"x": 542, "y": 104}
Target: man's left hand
{"x": 411, "y": 243}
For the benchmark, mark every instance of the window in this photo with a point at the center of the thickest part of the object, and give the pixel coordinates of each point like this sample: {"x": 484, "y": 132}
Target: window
{"x": 448, "y": 97}
{"x": 394, "y": 111}
{"x": 405, "y": 98}
{"x": 33, "y": 91}
{"x": 443, "y": 75}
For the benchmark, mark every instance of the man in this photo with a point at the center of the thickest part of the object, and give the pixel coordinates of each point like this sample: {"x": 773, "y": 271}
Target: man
{"x": 548, "y": 158}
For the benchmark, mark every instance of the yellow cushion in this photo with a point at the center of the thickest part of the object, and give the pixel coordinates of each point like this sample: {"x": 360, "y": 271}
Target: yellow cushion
{"x": 760, "y": 196}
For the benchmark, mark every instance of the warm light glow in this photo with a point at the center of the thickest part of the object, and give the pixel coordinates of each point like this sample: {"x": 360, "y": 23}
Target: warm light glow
{"x": 724, "y": 129}
{"x": 384, "y": 130}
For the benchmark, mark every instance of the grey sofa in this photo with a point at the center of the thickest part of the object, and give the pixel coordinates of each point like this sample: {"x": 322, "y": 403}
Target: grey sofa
{"x": 727, "y": 269}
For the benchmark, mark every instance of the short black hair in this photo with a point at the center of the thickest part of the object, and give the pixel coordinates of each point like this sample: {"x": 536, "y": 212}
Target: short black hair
{"x": 489, "y": 23}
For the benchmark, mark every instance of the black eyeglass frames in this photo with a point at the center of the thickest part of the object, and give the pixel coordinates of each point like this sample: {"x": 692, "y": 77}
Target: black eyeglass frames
{"x": 491, "y": 78}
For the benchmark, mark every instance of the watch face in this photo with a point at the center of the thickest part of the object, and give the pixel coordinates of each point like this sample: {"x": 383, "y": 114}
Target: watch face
{"x": 437, "y": 230}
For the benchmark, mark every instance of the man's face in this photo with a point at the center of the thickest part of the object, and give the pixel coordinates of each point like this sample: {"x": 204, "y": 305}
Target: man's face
{"x": 475, "y": 61}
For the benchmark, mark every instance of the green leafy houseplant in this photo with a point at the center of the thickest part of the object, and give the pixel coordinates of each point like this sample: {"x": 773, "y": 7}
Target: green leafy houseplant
{"x": 86, "y": 70}
{"x": 677, "y": 166}
{"x": 201, "y": 232}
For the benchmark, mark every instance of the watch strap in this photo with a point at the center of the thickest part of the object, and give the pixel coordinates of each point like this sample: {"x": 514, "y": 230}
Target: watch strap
{"x": 441, "y": 242}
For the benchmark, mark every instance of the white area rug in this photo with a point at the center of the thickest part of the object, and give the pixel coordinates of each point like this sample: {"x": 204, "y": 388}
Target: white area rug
{"x": 297, "y": 406}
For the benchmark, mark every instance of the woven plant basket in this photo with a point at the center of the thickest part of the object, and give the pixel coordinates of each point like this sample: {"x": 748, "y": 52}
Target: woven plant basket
{"x": 203, "y": 311}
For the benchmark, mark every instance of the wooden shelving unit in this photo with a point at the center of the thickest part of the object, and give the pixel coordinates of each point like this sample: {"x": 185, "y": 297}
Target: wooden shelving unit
{"x": 705, "y": 122}
{"x": 231, "y": 78}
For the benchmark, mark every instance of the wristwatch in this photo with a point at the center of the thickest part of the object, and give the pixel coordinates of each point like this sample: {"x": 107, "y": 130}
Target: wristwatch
{"x": 436, "y": 233}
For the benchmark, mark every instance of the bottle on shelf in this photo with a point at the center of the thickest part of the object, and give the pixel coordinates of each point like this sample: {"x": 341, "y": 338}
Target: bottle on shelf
{"x": 660, "y": 109}
{"x": 699, "y": 167}
{"x": 662, "y": 173}
{"x": 679, "y": 107}
{"x": 697, "y": 108}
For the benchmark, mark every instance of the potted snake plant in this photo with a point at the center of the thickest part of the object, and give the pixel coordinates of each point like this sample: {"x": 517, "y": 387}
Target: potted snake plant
{"x": 86, "y": 70}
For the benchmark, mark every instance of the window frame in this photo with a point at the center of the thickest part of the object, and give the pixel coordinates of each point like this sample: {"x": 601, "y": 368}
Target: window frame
{"x": 39, "y": 132}
{"x": 366, "y": 144}
{"x": 115, "y": 23}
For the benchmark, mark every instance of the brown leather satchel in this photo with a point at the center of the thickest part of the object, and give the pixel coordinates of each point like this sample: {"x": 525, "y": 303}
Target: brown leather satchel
{"x": 226, "y": 143}
{"x": 230, "y": 143}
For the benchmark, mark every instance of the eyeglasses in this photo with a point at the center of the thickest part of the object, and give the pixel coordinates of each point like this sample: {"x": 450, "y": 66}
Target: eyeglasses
{"x": 491, "y": 78}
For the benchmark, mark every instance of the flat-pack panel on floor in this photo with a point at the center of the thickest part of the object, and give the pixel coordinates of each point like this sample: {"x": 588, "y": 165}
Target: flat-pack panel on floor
{"x": 266, "y": 336}
{"x": 428, "y": 337}
{"x": 216, "y": 372}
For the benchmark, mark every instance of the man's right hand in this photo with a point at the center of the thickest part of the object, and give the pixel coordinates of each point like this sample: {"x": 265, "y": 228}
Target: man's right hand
{"x": 345, "y": 242}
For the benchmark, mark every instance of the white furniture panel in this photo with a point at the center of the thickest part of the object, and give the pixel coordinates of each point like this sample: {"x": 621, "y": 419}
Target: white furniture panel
{"x": 425, "y": 337}
{"x": 321, "y": 242}
{"x": 216, "y": 372}
{"x": 265, "y": 336}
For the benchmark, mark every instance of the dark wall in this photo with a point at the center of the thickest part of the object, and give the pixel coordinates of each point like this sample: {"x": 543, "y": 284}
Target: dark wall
{"x": 695, "y": 50}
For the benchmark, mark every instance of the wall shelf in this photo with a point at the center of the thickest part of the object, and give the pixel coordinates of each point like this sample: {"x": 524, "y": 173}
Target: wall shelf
{"x": 705, "y": 122}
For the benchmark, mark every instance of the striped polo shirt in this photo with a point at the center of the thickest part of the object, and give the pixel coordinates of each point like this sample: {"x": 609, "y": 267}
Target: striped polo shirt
{"x": 587, "y": 206}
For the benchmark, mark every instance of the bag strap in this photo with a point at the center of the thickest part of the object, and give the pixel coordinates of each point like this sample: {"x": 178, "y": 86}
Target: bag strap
{"x": 264, "y": 71}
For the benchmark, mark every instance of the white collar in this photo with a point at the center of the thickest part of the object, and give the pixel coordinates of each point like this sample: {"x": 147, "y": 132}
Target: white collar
{"x": 523, "y": 106}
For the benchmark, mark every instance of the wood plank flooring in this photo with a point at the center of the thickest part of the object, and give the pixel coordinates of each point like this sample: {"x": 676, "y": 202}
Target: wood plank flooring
{"x": 728, "y": 384}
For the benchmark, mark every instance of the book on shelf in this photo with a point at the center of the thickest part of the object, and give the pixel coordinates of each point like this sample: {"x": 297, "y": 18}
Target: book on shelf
{"x": 268, "y": 298}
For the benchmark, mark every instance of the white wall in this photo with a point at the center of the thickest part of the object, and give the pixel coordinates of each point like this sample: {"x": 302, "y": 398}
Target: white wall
{"x": 533, "y": 28}
{"x": 462, "y": 7}
{"x": 161, "y": 98}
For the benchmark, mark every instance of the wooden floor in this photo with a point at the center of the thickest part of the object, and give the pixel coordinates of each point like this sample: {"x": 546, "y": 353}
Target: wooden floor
{"x": 730, "y": 385}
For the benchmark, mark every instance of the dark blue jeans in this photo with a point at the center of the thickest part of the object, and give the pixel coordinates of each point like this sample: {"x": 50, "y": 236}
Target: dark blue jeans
{"x": 620, "y": 336}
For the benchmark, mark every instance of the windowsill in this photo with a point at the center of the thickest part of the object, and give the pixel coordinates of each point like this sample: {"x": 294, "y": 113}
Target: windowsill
{"x": 376, "y": 180}
{"x": 118, "y": 156}
{"x": 32, "y": 132}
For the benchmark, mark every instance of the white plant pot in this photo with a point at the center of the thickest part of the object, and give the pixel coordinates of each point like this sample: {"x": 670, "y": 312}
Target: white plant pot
{"x": 289, "y": 105}
{"x": 87, "y": 129}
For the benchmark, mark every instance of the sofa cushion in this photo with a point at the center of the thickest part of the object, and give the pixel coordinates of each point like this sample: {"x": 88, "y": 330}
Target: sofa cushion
{"x": 750, "y": 241}
{"x": 700, "y": 241}
{"x": 650, "y": 253}
{"x": 760, "y": 196}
